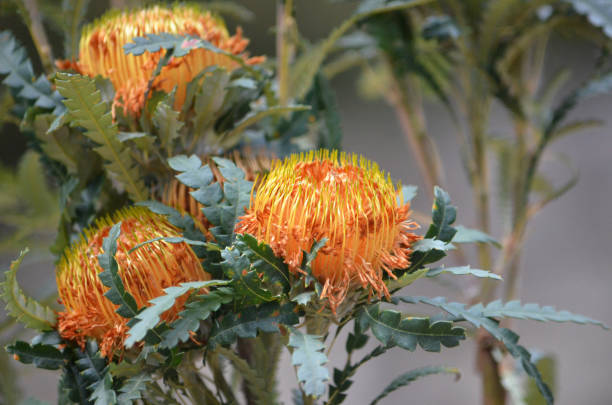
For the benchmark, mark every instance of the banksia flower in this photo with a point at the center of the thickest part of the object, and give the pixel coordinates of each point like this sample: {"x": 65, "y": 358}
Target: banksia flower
{"x": 346, "y": 199}
{"x": 101, "y": 51}
{"x": 177, "y": 195}
{"x": 145, "y": 273}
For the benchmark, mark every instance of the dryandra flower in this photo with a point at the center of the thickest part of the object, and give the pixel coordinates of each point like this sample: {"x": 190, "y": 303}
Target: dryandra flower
{"x": 347, "y": 200}
{"x": 101, "y": 51}
{"x": 145, "y": 273}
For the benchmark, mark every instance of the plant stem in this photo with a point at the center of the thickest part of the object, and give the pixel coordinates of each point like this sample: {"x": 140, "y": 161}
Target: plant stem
{"x": 39, "y": 36}
{"x": 284, "y": 47}
{"x": 412, "y": 122}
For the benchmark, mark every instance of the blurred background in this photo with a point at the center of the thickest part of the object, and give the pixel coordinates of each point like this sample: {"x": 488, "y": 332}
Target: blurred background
{"x": 567, "y": 254}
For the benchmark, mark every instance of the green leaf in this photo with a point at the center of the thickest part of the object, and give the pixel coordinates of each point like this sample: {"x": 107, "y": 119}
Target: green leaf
{"x": 263, "y": 259}
{"x": 209, "y": 99}
{"x": 236, "y": 197}
{"x": 411, "y": 376}
{"x": 325, "y": 110}
{"x": 25, "y": 309}
{"x": 195, "y": 311}
{"x": 132, "y": 388}
{"x": 178, "y": 45}
{"x": 110, "y": 276}
{"x": 103, "y": 393}
{"x": 406, "y": 279}
{"x": 426, "y": 245}
{"x": 390, "y": 329}
{"x": 467, "y": 235}
{"x": 94, "y": 375}
{"x": 310, "y": 360}
{"x": 463, "y": 270}
{"x": 547, "y": 366}
{"x": 476, "y": 317}
{"x": 87, "y": 110}
{"x": 409, "y": 192}
{"x": 308, "y": 64}
{"x": 598, "y": 13}
{"x": 15, "y": 63}
{"x": 248, "y": 323}
{"x": 245, "y": 278}
{"x": 58, "y": 144}
{"x": 443, "y": 216}
{"x": 41, "y": 355}
{"x": 166, "y": 119}
{"x": 148, "y": 318}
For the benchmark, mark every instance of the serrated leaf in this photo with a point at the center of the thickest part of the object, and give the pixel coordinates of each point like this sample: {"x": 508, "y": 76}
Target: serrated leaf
{"x": 103, "y": 393}
{"x": 263, "y": 259}
{"x": 443, "y": 216}
{"x": 179, "y": 45}
{"x": 87, "y": 110}
{"x": 148, "y": 318}
{"x": 532, "y": 311}
{"x": 183, "y": 163}
{"x": 196, "y": 311}
{"x": 390, "y": 329}
{"x": 248, "y": 323}
{"x": 310, "y": 360}
{"x": 462, "y": 270}
{"x": 476, "y": 316}
{"x": 166, "y": 119}
{"x": 23, "y": 308}
{"x": 41, "y": 355}
{"x": 467, "y": 235}
{"x": 308, "y": 64}
{"x": 15, "y": 63}
{"x": 411, "y": 376}
{"x": 132, "y": 388}
{"x": 245, "y": 278}
{"x": 110, "y": 276}
{"x": 598, "y": 13}
{"x": 209, "y": 99}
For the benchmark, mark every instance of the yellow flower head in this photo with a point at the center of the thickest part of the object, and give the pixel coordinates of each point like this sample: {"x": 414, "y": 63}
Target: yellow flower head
{"x": 346, "y": 199}
{"x": 145, "y": 273}
{"x": 101, "y": 51}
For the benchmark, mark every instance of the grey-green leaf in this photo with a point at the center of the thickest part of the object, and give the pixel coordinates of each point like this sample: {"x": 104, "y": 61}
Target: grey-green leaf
{"x": 310, "y": 360}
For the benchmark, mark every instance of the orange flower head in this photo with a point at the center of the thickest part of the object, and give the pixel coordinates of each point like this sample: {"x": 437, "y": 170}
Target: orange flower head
{"x": 145, "y": 273}
{"x": 101, "y": 51}
{"x": 344, "y": 198}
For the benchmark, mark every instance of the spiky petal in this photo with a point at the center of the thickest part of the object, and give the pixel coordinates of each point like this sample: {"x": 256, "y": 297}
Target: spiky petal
{"x": 344, "y": 198}
{"x": 101, "y": 51}
{"x": 145, "y": 273}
